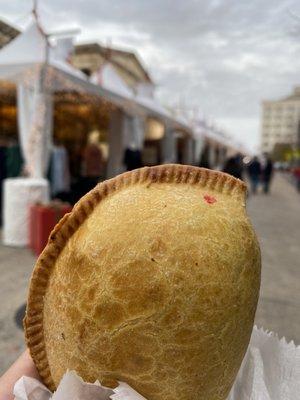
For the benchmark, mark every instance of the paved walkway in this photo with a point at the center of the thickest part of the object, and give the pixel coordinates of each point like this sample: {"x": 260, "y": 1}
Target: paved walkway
{"x": 277, "y": 221}
{"x": 15, "y": 270}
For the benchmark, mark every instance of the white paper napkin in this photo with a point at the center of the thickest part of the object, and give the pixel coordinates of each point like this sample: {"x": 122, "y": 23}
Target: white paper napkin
{"x": 270, "y": 371}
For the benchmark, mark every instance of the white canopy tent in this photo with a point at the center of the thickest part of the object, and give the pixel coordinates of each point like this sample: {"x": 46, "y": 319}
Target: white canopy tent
{"x": 203, "y": 130}
{"x": 217, "y": 143}
{"x": 133, "y": 125}
{"x": 39, "y": 68}
{"x": 108, "y": 78}
{"x": 33, "y": 63}
{"x": 27, "y": 61}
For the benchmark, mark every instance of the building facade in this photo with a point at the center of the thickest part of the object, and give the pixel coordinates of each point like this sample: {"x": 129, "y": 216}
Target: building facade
{"x": 280, "y": 122}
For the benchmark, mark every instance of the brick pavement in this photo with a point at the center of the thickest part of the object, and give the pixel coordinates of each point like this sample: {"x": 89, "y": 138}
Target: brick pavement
{"x": 277, "y": 221}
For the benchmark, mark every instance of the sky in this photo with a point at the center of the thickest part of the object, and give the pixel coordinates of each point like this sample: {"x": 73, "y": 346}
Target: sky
{"x": 220, "y": 58}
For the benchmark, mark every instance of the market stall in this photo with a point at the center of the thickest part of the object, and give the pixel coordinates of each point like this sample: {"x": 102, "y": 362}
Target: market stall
{"x": 46, "y": 90}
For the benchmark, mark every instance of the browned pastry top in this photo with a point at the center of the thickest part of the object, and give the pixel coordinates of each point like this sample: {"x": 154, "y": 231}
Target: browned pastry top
{"x": 153, "y": 279}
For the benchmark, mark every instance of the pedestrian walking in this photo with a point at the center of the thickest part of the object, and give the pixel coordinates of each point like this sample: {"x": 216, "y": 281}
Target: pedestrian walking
{"x": 267, "y": 173}
{"x": 234, "y": 166}
{"x": 296, "y": 173}
{"x": 254, "y": 172}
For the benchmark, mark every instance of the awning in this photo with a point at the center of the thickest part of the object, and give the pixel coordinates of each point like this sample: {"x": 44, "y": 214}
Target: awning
{"x": 23, "y": 58}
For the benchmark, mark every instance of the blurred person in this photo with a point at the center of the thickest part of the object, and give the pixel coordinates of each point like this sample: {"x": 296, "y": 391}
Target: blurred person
{"x": 234, "y": 166}
{"x": 254, "y": 172}
{"x": 266, "y": 173}
{"x": 296, "y": 173}
{"x": 132, "y": 157}
{"x": 240, "y": 164}
{"x": 92, "y": 162}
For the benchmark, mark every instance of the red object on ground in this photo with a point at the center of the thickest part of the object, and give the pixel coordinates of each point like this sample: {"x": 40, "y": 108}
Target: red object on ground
{"x": 42, "y": 221}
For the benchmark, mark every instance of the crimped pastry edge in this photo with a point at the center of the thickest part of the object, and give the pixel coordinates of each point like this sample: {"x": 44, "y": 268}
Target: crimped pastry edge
{"x": 169, "y": 173}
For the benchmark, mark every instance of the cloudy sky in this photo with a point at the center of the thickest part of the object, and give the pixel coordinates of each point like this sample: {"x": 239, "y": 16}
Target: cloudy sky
{"x": 221, "y": 57}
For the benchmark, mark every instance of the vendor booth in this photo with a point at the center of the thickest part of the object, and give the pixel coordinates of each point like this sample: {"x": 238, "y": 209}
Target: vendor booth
{"x": 69, "y": 126}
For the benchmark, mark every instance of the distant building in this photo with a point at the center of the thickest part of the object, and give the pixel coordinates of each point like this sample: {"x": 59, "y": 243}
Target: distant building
{"x": 280, "y": 121}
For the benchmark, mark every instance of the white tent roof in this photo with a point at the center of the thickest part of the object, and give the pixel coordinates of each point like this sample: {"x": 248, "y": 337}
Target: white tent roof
{"x": 109, "y": 79}
{"x": 23, "y": 57}
{"x": 203, "y": 130}
{"x": 28, "y": 51}
{"x": 27, "y": 48}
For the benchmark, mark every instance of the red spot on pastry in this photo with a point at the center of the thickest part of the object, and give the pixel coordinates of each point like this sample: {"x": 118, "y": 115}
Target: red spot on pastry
{"x": 209, "y": 199}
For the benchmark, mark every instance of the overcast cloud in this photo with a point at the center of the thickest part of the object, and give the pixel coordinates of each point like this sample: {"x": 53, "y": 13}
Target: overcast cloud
{"x": 220, "y": 56}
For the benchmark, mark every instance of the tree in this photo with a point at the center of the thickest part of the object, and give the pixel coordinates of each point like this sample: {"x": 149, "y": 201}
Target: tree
{"x": 282, "y": 152}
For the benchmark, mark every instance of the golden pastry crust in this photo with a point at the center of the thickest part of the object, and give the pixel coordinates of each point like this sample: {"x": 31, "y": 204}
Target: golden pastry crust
{"x": 153, "y": 279}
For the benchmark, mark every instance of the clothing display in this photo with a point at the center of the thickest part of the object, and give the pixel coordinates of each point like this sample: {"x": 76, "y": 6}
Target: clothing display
{"x": 204, "y": 159}
{"x": 59, "y": 170}
{"x": 3, "y": 175}
{"x": 92, "y": 161}
{"x": 14, "y": 161}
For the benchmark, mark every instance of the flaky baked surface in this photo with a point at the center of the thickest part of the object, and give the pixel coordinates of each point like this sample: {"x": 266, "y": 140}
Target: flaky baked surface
{"x": 153, "y": 279}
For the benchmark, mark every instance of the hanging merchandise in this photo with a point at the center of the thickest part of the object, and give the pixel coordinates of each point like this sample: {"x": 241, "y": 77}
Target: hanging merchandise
{"x": 3, "y": 170}
{"x": 59, "y": 171}
{"x": 93, "y": 163}
{"x": 35, "y": 128}
{"x": 14, "y": 160}
{"x": 3, "y": 173}
{"x": 133, "y": 141}
{"x": 133, "y": 132}
{"x": 93, "y": 160}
